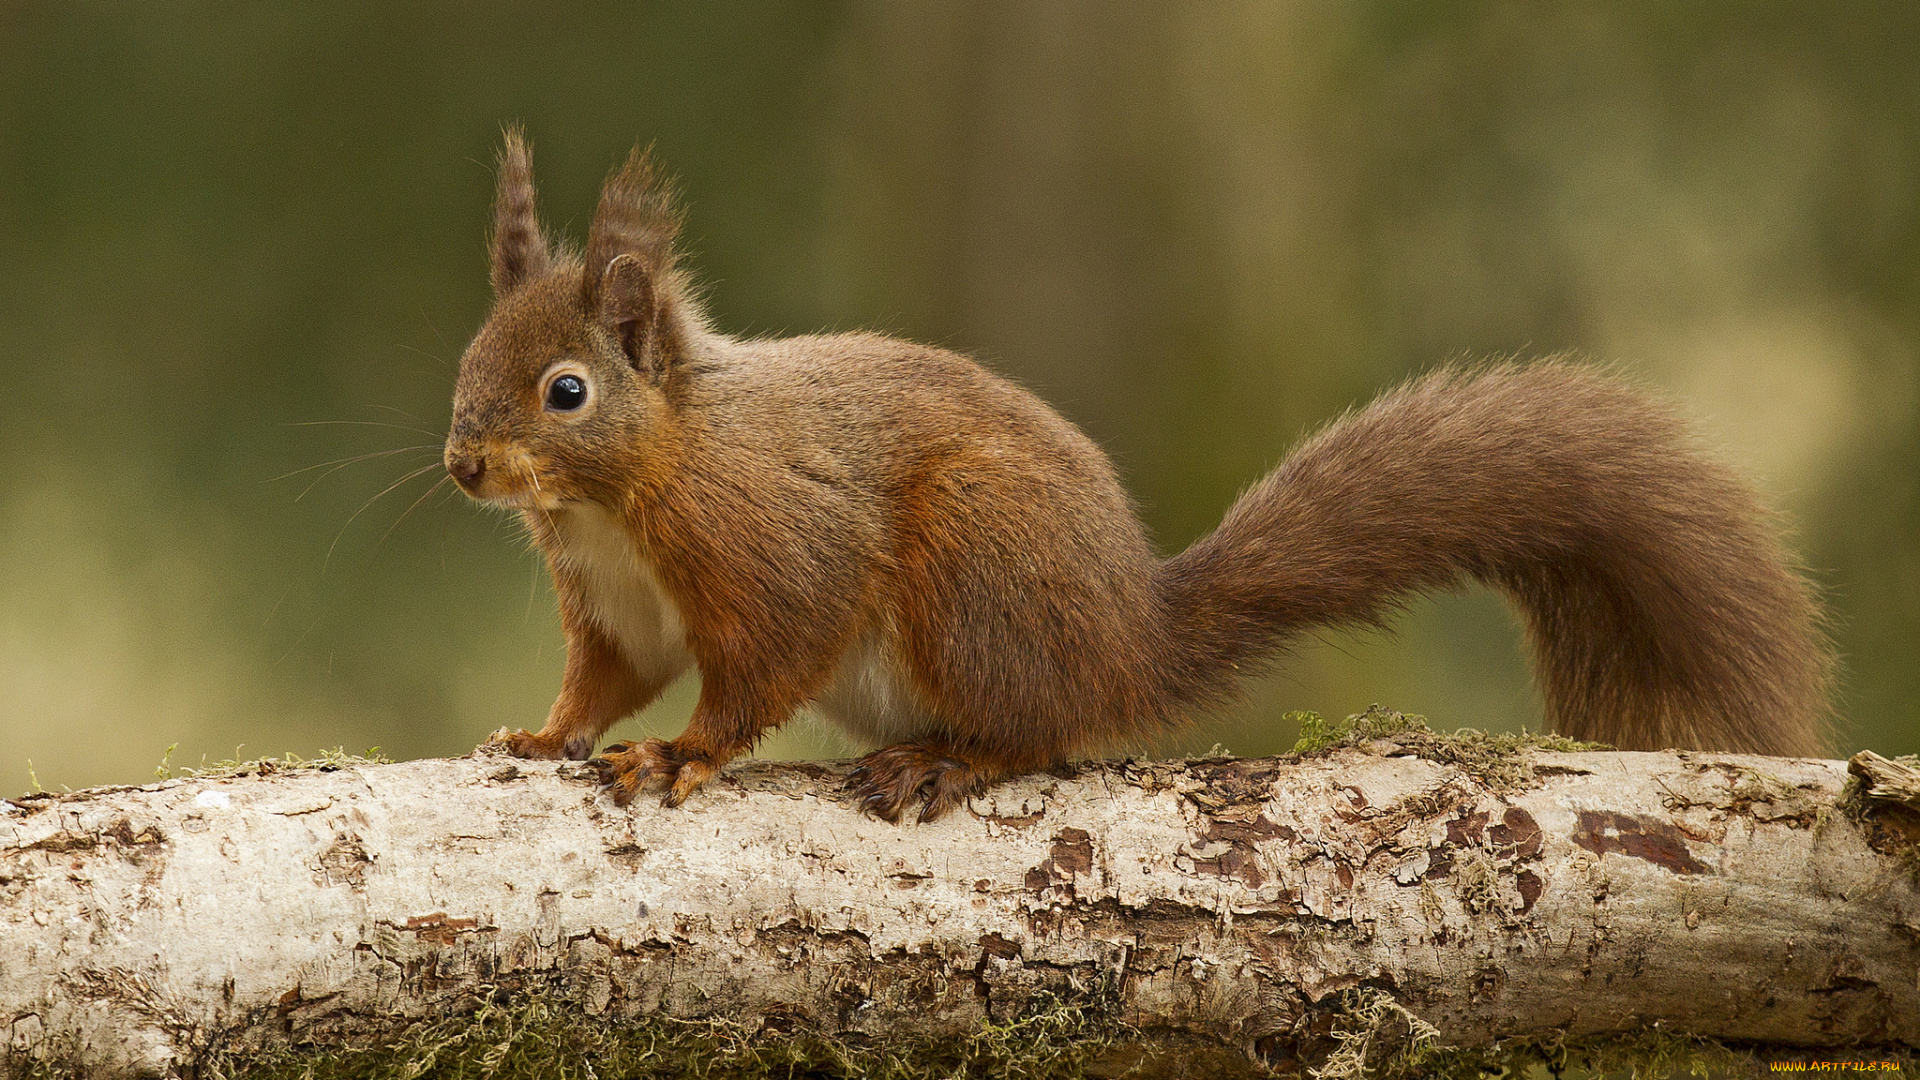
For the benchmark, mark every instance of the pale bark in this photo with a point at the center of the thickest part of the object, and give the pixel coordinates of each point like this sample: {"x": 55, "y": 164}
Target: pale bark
{"x": 1715, "y": 894}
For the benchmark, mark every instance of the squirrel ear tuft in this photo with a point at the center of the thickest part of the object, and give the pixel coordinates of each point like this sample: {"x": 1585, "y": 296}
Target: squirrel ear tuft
{"x": 520, "y": 252}
{"x": 629, "y": 307}
{"x": 631, "y": 239}
{"x": 637, "y": 216}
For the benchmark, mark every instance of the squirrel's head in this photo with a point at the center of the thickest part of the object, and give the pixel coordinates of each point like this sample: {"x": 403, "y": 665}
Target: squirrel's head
{"x": 565, "y": 394}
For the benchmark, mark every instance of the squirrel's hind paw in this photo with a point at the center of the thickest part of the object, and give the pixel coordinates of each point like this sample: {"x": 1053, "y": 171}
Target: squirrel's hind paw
{"x": 627, "y": 768}
{"x": 887, "y": 782}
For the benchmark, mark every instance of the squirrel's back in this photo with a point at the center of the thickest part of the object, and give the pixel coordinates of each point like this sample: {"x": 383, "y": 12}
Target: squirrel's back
{"x": 1007, "y": 589}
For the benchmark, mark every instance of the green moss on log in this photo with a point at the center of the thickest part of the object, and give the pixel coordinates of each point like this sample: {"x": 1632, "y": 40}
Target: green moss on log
{"x": 1501, "y": 760}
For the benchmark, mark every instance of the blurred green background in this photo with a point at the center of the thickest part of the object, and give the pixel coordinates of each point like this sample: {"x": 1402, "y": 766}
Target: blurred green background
{"x": 239, "y": 240}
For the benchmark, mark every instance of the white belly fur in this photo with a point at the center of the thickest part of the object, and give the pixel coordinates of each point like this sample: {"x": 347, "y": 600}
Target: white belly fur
{"x": 623, "y": 594}
{"x": 871, "y": 696}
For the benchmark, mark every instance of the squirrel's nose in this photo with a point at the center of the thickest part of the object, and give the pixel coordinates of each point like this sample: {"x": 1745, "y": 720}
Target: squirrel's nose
{"x": 466, "y": 471}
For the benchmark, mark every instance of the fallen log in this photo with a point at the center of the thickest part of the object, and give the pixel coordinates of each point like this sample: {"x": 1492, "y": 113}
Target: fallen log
{"x": 1480, "y": 893}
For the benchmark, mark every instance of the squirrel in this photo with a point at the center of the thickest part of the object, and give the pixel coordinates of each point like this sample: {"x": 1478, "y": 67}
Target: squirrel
{"x": 943, "y": 565}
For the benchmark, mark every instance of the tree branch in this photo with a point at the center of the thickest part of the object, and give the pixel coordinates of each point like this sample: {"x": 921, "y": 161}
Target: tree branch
{"x": 1490, "y": 895}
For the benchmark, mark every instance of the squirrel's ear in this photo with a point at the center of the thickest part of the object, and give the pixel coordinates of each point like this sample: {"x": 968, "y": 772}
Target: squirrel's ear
{"x": 628, "y": 306}
{"x": 520, "y": 252}
{"x": 637, "y": 216}
{"x": 631, "y": 240}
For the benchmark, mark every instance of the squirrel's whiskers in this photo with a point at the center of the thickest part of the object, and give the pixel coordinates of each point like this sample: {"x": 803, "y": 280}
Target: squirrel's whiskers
{"x": 367, "y": 505}
{"x": 337, "y": 464}
{"x": 412, "y": 506}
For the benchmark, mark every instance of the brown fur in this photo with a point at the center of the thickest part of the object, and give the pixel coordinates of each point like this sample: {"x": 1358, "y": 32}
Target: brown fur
{"x": 897, "y": 534}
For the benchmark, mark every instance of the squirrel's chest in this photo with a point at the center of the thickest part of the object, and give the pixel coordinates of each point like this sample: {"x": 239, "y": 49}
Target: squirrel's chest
{"x": 620, "y": 591}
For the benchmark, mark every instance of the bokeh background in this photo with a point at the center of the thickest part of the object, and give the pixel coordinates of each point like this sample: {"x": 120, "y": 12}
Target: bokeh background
{"x": 240, "y": 240}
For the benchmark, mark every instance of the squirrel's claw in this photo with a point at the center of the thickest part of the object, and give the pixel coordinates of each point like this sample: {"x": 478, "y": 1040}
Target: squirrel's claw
{"x": 626, "y": 769}
{"x": 887, "y": 782}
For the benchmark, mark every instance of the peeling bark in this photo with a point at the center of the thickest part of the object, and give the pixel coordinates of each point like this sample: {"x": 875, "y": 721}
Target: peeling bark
{"x": 1234, "y": 900}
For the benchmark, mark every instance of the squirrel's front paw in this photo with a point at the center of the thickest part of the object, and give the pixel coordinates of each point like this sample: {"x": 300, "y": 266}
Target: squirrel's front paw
{"x": 626, "y": 769}
{"x": 527, "y": 744}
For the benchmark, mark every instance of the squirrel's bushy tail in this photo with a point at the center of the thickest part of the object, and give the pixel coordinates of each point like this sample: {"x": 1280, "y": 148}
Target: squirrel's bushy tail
{"x": 1660, "y": 607}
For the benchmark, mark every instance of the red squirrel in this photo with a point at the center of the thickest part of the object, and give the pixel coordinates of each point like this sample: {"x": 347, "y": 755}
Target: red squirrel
{"x": 941, "y": 564}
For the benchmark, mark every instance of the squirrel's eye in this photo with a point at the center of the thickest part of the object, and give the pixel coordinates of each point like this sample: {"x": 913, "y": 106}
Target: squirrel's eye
{"x": 566, "y": 393}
